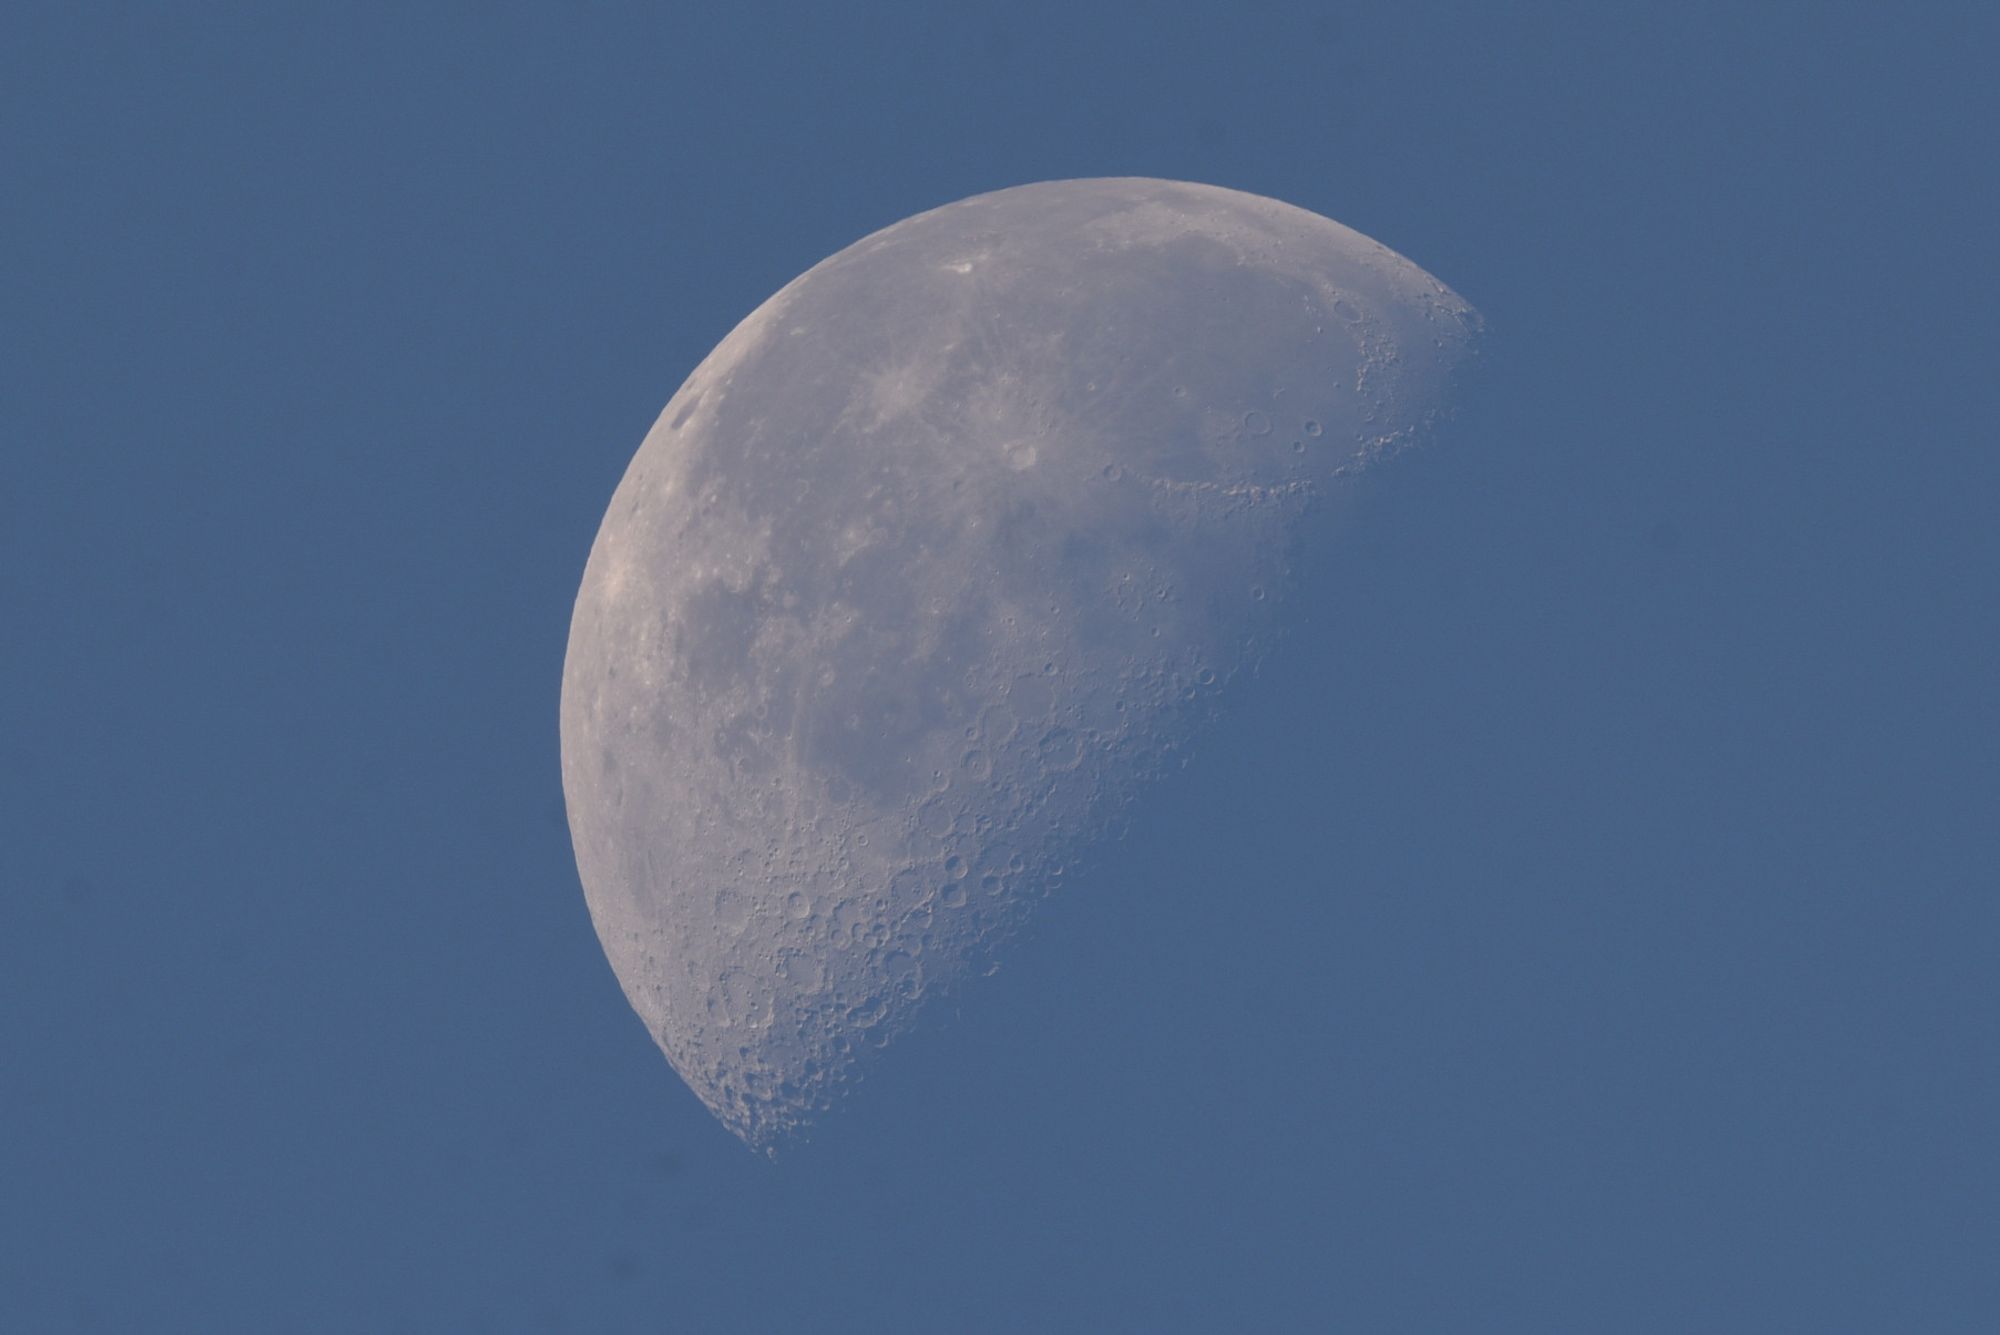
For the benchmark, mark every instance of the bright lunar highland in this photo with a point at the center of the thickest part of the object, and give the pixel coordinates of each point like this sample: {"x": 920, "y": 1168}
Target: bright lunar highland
{"x": 936, "y": 560}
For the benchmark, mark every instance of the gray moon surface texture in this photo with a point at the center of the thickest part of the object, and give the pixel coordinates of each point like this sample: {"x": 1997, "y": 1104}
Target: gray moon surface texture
{"x": 932, "y": 564}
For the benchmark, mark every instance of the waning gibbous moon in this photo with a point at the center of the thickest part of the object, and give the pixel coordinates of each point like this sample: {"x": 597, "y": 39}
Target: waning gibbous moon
{"x": 923, "y": 574}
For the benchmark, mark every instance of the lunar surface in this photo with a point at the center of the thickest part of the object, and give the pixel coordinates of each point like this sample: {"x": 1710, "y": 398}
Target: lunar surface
{"x": 927, "y": 569}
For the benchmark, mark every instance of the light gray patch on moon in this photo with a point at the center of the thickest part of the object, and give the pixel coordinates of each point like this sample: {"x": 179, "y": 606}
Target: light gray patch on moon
{"x": 927, "y": 569}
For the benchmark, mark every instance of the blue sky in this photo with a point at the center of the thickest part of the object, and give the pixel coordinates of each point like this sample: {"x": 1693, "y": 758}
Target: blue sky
{"x": 1588, "y": 925}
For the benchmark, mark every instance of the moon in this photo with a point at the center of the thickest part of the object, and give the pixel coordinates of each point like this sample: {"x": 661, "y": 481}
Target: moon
{"x": 936, "y": 560}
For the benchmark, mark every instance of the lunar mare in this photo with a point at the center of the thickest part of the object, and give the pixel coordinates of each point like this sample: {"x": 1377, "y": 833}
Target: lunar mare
{"x": 927, "y": 569}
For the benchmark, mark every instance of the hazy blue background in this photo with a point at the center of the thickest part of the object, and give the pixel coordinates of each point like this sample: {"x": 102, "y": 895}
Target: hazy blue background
{"x": 1591, "y": 926}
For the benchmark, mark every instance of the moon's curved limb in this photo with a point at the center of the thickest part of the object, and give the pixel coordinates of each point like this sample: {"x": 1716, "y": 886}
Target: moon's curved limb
{"x": 927, "y": 568}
